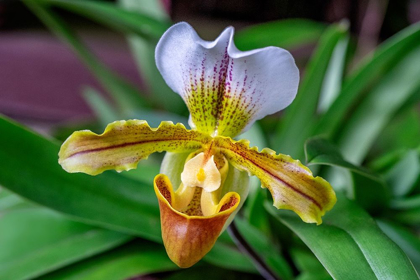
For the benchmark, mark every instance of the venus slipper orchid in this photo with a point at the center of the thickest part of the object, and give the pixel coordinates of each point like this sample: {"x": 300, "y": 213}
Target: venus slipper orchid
{"x": 226, "y": 91}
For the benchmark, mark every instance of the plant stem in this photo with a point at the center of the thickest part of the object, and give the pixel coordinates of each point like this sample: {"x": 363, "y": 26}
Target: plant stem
{"x": 245, "y": 248}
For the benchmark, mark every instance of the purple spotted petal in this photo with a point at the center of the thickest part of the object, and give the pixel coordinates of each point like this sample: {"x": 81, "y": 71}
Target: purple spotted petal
{"x": 226, "y": 90}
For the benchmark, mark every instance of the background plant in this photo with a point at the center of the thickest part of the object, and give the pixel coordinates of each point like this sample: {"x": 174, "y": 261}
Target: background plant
{"x": 354, "y": 122}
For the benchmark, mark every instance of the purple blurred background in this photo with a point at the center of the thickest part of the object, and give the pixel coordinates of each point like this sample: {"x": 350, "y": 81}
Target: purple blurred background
{"x": 41, "y": 79}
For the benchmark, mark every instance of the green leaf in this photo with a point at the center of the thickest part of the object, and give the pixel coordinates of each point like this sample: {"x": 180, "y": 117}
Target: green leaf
{"x": 319, "y": 150}
{"x": 406, "y": 203}
{"x": 108, "y": 200}
{"x": 350, "y": 245}
{"x": 155, "y": 117}
{"x": 287, "y": 33}
{"x": 331, "y": 86}
{"x": 404, "y": 174}
{"x": 9, "y": 201}
{"x": 103, "y": 110}
{"x": 143, "y": 26}
{"x": 162, "y": 96}
{"x": 146, "y": 170}
{"x": 387, "y": 160}
{"x": 209, "y": 272}
{"x": 154, "y": 9}
{"x": 133, "y": 259}
{"x": 265, "y": 248}
{"x": 368, "y": 189}
{"x": 315, "y": 275}
{"x": 223, "y": 251}
{"x": 408, "y": 242}
{"x": 299, "y": 118}
{"x": 126, "y": 95}
{"x": 373, "y": 67}
{"x": 359, "y": 132}
{"x": 36, "y": 241}
{"x": 306, "y": 261}
{"x": 402, "y": 132}
{"x": 254, "y": 208}
{"x": 144, "y": 54}
{"x": 409, "y": 217}
{"x": 115, "y": 17}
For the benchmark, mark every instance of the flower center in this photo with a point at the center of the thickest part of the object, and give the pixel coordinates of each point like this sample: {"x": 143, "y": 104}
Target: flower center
{"x": 201, "y": 175}
{"x": 200, "y": 191}
{"x": 201, "y": 171}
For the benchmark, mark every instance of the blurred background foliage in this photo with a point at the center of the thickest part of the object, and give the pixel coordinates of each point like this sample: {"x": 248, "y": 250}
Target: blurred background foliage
{"x": 355, "y": 122}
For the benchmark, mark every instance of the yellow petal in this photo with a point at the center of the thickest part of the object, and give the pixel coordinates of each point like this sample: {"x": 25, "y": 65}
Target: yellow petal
{"x": 291, "y": 184}
{"x": 123, "y": 144}
{"x": 188, "y": 238}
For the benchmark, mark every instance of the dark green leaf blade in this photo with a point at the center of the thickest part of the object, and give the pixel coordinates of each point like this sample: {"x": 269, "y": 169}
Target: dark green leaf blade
{"x": 358, "y": 133}
{"x": 350, "y": 245}
{"x": 404, "y": 174}
{"x": 133, "y": 259}
{"x": 104, "y": 111}
{"x": 406, "y": 203}
{"x": 265, "y": 248}
{"x": 143, "y": 32}
{"x": 223, "y": 251}
{"x": 368, "y": 189}
{"x": 9, "y": 201}
{"x": 143, "y": 52}
{"x": 299, "y": 118}
{"x": 37, "y": 240}
{"x": 308, "y": 264}
{"x": 125, "y": 94}
{"x": 408, "y": 217}
{"x": 115, "y": 17}
{"x": 384, "y": 58}
{"x": 400, "y": 134}
{"x": 108, "y": 200}
{"x": 285, "y": 33}
{"x": 408, "y": 242}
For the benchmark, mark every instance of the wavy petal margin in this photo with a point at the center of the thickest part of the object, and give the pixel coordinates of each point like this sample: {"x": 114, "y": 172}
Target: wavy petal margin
{"x": 189, "y": 238}
{"x": 226, "y": 90}
{"x": 291, "y": 184}
{"x": 123, "y": 144}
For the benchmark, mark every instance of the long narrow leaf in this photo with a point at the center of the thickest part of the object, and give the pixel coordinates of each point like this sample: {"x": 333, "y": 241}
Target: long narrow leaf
{"x": 265, "y": 249}
{"x": 134, "y": 259}
{"x": 402, "y": 177}
{"x": 368, "y": 189}
{"x": 409, "y": 242}
{"x": 109, "y": 200}
{"x": 299, "y": 117}
{"x": 142, "y": 30}
{"x": 287, "y": 33}
{"x": 101, "y": 107}
{"x": 373, "y": 67}
{"x": 111, "y": 15}
{"x": 36, "y": 241}
{"x": 126, "y": 95}
{"x": 9, "y": 201}
{"x": 144, "y": 54}
{"x": 358, "y": 134}
{"x": 350, "y": 245}
{"x": 331, "y": 86}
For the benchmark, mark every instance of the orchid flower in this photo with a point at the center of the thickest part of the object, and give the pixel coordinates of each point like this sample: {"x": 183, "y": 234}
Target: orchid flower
{"x": 226, "y": 91}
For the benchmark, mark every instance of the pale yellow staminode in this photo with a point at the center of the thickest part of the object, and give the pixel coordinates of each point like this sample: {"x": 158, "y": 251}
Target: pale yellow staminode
{"x": 201, "y": 173}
